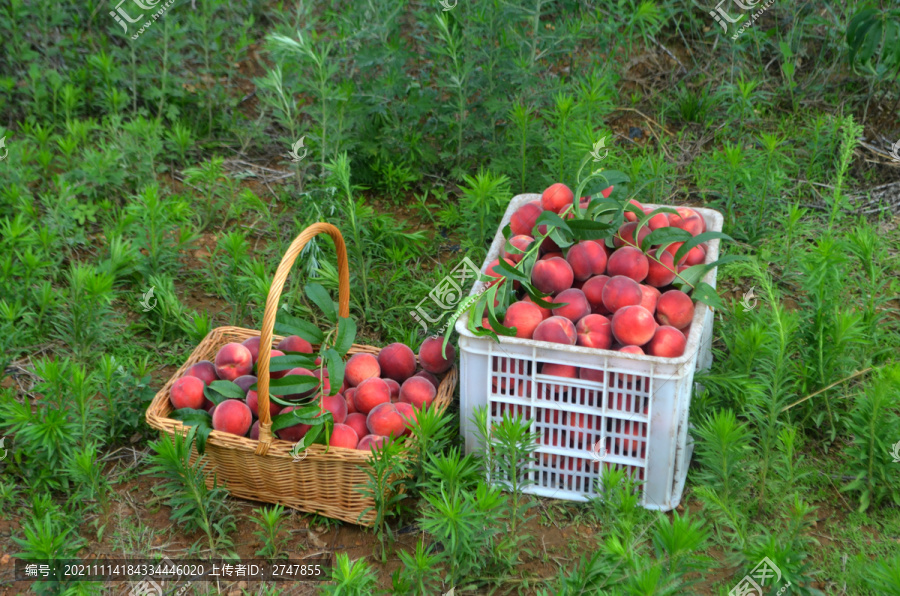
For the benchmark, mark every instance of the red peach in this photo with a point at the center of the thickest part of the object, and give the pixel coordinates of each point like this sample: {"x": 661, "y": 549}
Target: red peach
{"x": 629, "y": 216}
{"x": 233, "y": 416}
{"x": 522, "y": 221}
{"x": 675, "y": 308}
{"x": 630, "y": 262}
{"x": 495, "y": 272}
{"x": 667, "y": 342}
{"x": 556, "y": 370}
{"x": 418, "y": 392}
{"x": 385, "y": 420}
{"x": 254, "y": 431}
{"x": 692, "y": 224}
{"x": 523, "y": 242}
{"x": 295, "y": 343}
{"x": 187, "y": 392}
{"x": 232, "y": 361}
{"x": 431, "y": 378}
{"x": 576, "y": 305}
{"x": 651, "y": 296}
{"x": 550, "y": 255}
{"x": 593, "y": 291}
{"x": 545, "y": 312}
{"x": 252, "y": 344}
{"x": 245, "y": 382}
{"x": 348, "y": 397}
{"x": 661, "y": 273}
{"x": 357, "y": 422}
{"x": 408, "y": 413}
{"x": 525, "y": 317}
{"x": 552, "y": 276}
{"x": 621, "y": 291}
{"x": 547, "y": 244}
{"x": 625, "y": 235}
{"x": 279, "y": 374}
{"x": 292, "y": 433}
{"x": 203, "y": 370}
{"x": 431, "y": 358}
{"x": 397, "y": 361}
{"x": 557, "y": 197}
{"x": 337, "y": 405}
{"x": 633, "y": 325}
{"x": 657, "y": 221}
{"x": 591, "y": 374}
{"x": 631, "y": 350}
{"x": 253, "y": 403}
{"x": 594, "y": 331}
{"x": 361, "y": 367}
{"x": 559, "y": 330}
{"x": 343, "y": 436}
{"x": 587, "y": 258}
{"x": 370, "y": 393}
{"x": 369, "y": 442}
{"x": 394, "y": 386}
{"x": 696, "y": 256}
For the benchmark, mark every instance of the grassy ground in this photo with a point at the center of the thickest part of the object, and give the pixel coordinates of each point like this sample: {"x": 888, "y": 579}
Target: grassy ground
{"x": 163, "y": 162}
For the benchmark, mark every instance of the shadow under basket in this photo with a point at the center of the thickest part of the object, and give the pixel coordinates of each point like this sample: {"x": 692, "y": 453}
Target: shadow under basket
{"x": 326, "y": 483}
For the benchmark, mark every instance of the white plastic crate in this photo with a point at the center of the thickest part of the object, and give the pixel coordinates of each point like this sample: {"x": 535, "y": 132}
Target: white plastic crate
{"x": 634, "y": 415}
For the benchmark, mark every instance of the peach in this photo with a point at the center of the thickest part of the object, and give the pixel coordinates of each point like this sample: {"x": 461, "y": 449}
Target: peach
{"x": 630, "y": 262}
{"x": 559, "y": 330}
{"x": 295, "y": 343}
{"x": 491, "y": 268}
{"x": 525, "y": 317}
{"x": 587, "y": 258}
{"x": 661, "y": 273}
{"x": 660, "y": 220}
{"x": 292, "y": 433}
{"x": 324, "y": 384}
{"x": 545, "y": 312}
{"x": 621, "y": 291}
{"x": 203, "y": 370}
{"x": 254, "y": 431}
{"x": 522, "y": 221}
{"x": 625, "y": 235}
{"x": 187, "y": 392}
{"x": 279, "y": 374}
{"x": 692, "y": 224}
{"x": 245, "y": 382}
{"x": 552, "y": 276}
{"x": 357, "y": 422}
{"x": 431, "y": 358}
{"x": 337, "y": 405}
{"x": 348, "y": 397}
{"x": 594, "y": 331}
{"x": 397, "y": 361}
{"x": 629, "y": 216}
{"x": 361, "y": 367}
{"x": 370, "y": 442}
{"x": 557, "y": 197}
{"x": 418, "y": 392}
{"x": 591, "y": 374}
{"x": 593, "y": 291}
{"x": 557, "y": 370}
{"x": 209, "y": 407}
{"x": 633, "y": 325}
{"x": 551, "y": 255}
{"x": 631, "y": 350}
{"x": 232, "y": 415}
{"x": 696, "y": 256}
{"x": 386, "y": 421}
{"x": 394, "y": 386}
{"x": 522, "y": 242}
{"x": 667, "y": 342}
{"x": 253, "y": 403}
{"x": 232, "y": 361}
{"x": 651, "y": 296}
{"x": 576, "y": 305}
{"x": 675, "y": 308}
{"x": 343, "y": 436}
{"x": 547, "y": 244}
{"x": 252, "y": 344}
{"x": 408, "y": 413}
{"x": 431, "y": 378}
{"x": 370, "y": 393}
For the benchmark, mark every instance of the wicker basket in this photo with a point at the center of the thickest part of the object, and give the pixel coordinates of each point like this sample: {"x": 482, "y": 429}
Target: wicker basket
{"x": 264, "y": 470}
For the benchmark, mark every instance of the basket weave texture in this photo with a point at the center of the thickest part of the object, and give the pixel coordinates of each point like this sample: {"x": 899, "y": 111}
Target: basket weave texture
{"x": 264, "y": 470}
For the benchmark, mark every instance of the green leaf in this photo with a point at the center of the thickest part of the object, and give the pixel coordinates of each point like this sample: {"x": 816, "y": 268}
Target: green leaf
{"x": 308, "y": 415}
{"x": 321, "y": 298}
{"x": 551, "y": 219}
{"x": 705, "y": 293}
{"x": 286, "y": 324}
{"x": 510, "y": 272}
{"x": 219, "y": 391}
{"x": 334, "y": 363}
{"x": 663, "y": 237}
{"x": 198, "y": 419}
{"x": 292, "y": 384}
{"x": 587, "y": 229}
{"x": 294, "y": 360}
{"x": 346, "y": 335}
{"x": 696, "y": 240}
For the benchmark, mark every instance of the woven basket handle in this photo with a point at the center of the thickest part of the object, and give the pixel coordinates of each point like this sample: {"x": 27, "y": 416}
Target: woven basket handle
{"x": 268, "y": 324}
